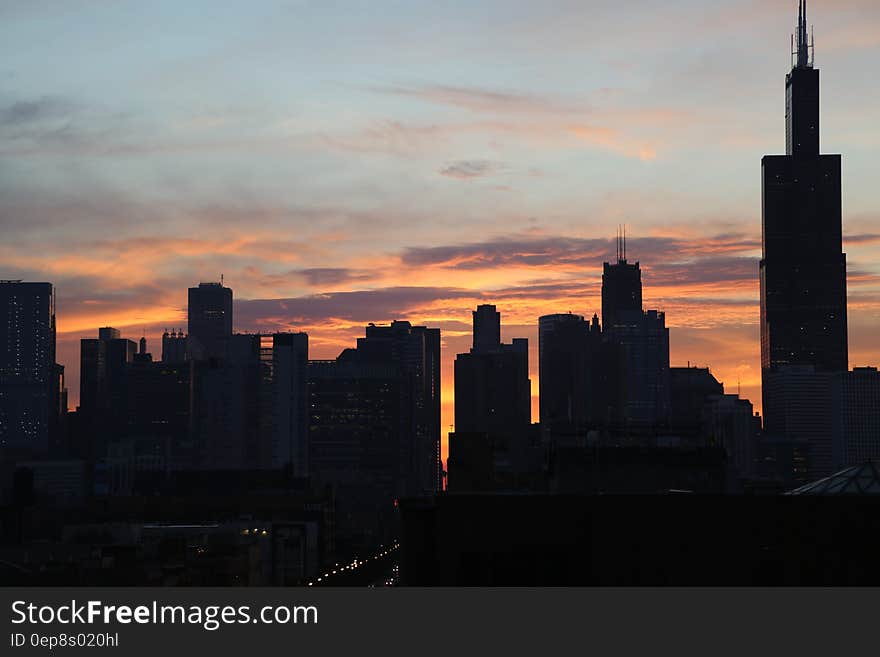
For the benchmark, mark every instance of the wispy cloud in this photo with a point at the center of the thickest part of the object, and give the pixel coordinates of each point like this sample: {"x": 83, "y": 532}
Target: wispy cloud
{"x": 323, "y": 276}
{"x": 485, "y": 100}
{"x": 469, "y": 169}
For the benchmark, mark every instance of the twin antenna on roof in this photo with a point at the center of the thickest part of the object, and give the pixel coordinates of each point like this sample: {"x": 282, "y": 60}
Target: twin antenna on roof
{"x": 621, "y": 243}
{"x": 803, "y": 45}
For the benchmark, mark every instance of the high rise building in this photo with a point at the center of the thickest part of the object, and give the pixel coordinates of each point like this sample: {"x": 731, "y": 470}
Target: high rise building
{"x": 250, "y": 409}
{"x": 374, "y": 423}
{"x": 289, "y": 446}
{"x": 570, "y": 376}
{"x": 856, "y": 413}
{"x": 493, "y": 445}
{"x": 487, "y": 329}
{"x": 803, "y": 268}
{"x": 360, "y": 439}
{"x": 798, "y": 405}
{"x": 690, "y": 389}
{"x": 229, "y": 421}
{"x": 621, "y": 288}
{"x": 638, "y": 351}
{"x": 102, "y": 389}
{"x": 210, "y": 321}
{"x": 31, "y": 383}
{"x": 157, "y": 412}
{"x": 639, "y": 373}
{"x": 493, "y": 390}
{"x": 729, "y": 422}
{"x": 416, "y": 351}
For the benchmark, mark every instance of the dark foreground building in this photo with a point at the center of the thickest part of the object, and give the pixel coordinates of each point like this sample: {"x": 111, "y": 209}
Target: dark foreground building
{"x": 374, "y": 424}
{"x": 623, "y": 540}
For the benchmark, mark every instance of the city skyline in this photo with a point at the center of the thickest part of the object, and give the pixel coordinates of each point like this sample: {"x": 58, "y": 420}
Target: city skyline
{"x": 409, "y": 352}
{"x": 540, "y": 173}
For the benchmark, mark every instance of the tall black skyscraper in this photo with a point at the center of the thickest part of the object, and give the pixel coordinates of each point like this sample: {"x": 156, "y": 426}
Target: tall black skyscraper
{"x": 621, "y": 288}
{"x": 30, "y": 381}
{"x": 637, "y": 342}
{"x": 803, "y": 269}
{"x": 210, "y": 321}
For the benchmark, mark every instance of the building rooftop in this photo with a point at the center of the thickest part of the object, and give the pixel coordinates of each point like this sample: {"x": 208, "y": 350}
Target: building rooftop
{"x": 857, "y": 480}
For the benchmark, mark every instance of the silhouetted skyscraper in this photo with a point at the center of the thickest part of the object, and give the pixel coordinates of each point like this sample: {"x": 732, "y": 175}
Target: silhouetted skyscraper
{"x": 102, "y": 392}
{"x": 690, "y": 388}
{"x": 360, "y": 438}
{"x": 639, "y": 373}
{"x": 157, "y": 412}
{"x": 492, "y": 408}
{"x": 229, "y": 425}
{"x": 290, "y": 403}
{"x": 487, "y": 329}
{"x": 416, "y": 350}
{"x": 803, "y": 270}
{"x": 30, "y": 380}
{"x": 729, "y": 422}
{"x": 571, "y": 372}
{"x": 621, "y": 289}
{"x": 493, "y": 392}
{"x": 374, "y": 425}
{"x": 638, "y": 351}
{"x": 210, "y": 321}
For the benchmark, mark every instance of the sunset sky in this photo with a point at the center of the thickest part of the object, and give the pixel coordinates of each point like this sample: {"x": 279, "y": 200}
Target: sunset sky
{"x": 350, "y": 162}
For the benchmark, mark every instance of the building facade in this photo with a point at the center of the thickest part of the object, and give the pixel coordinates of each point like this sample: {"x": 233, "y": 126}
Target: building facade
{"x": 209, "y": 321}
{"x": 31, "y": 383}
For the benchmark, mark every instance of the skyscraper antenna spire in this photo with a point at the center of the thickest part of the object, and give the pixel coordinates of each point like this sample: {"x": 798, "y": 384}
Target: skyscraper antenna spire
{"x": 802, "y": 49}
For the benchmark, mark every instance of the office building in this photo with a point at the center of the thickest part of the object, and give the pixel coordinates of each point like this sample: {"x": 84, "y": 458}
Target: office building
{"x": 803, "y": 268}
{"x": 31, "y": 383}
{"x": 690, "y": 388}
{"x": 621, "y": 288}
{"x": 360, "y": 441}
{"x": 571, "y": 377}
{"x": 290, "y": 402}
{"x": 729, "y": 422}
{"x": 487, "y": 329}
{"x": 856, "y": 417}
{"x": 209, "y": 321}
{"x": 493, "y": 394}
{"x": 416, "y": 351}
{"x": 798, "y": 404}
{"x": 229, "y": 425}
{"x": 637, "y": 344}
{"x": 157, "y": 416}
{"x": 103, "y": 406}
